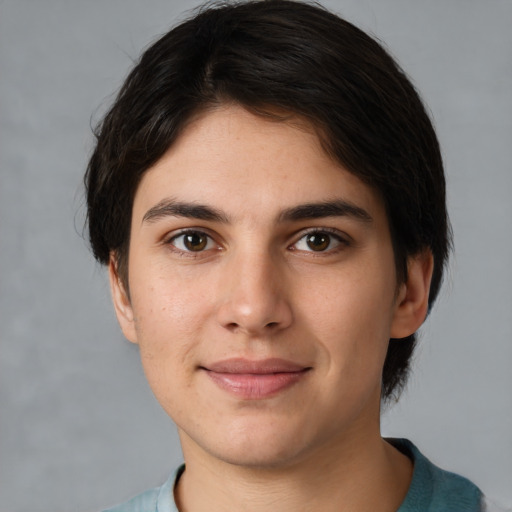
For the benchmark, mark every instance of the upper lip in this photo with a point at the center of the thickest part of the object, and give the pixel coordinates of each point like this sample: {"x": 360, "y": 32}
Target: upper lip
{"x": 257, "y": 367}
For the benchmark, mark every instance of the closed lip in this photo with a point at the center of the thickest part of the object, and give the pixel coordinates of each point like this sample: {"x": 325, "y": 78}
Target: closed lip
{"x": 255, "y": 380}
{"x": 255, "y": 367}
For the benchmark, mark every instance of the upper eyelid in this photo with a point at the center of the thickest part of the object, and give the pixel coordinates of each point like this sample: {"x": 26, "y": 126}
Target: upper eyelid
{"x": 183, "y": 231}
{"x": 330, "y": 231}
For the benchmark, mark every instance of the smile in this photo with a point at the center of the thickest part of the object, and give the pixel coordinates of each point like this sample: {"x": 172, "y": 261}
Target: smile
{"x": 255, "y": 380}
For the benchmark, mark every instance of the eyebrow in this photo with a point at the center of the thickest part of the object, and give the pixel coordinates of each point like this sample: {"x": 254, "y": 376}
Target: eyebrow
{"x": 336, "y": 208}
{"x": 172, "y": 208}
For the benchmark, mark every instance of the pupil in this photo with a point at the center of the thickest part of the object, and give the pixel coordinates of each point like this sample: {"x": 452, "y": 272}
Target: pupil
{"x": 318, "y": 242}
{"x": 195, "y": 242}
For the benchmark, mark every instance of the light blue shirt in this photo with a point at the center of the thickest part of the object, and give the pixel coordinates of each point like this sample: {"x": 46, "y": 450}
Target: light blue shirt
{"x": 432, "y": 490}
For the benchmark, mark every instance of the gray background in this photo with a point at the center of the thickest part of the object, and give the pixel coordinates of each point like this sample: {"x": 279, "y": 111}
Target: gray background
{"x": 79, "y": 427}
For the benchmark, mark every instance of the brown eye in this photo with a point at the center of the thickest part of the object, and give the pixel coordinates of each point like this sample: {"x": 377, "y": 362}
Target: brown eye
{"x": 318, "y": 241}
{"x": 192, "y": 241}
{"x": 321, "y": 240}
{"x": 195, "y": 241}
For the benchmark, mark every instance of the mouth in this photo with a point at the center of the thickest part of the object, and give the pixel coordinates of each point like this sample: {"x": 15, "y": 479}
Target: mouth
{"x": 254, "y": 380}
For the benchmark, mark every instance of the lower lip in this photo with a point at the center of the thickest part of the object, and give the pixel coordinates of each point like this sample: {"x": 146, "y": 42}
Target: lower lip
{"x": 251, "y": 386}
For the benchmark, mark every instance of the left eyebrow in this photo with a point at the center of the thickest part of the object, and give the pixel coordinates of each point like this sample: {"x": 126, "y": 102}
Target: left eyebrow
{"x": 336, "y": 208}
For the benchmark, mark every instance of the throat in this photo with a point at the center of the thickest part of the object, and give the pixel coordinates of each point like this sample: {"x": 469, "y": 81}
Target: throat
{"x": 378, "y": 481}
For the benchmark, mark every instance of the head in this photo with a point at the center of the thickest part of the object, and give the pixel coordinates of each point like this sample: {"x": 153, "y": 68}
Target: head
{"x": 280, "y": 60}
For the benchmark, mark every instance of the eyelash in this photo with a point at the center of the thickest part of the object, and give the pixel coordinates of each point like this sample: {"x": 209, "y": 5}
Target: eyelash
{"x": 171, "y": 242}
{"x": 332, "y": 234}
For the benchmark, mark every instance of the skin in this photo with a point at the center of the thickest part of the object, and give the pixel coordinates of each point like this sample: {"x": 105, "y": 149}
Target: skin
{"x": 262, "y": 283}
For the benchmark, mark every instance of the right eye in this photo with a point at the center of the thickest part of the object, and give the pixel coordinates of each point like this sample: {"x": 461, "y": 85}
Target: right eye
{"x": 192, "y": 241}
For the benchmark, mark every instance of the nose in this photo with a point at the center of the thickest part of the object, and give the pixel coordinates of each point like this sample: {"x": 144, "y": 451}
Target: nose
{"x": 254, "y": 296}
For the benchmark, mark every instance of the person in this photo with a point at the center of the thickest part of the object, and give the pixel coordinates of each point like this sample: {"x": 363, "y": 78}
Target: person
{"x": 268, "y": 194}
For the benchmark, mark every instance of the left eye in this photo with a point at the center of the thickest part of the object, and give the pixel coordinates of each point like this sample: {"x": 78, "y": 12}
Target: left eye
{"x": 192, "y": 241}
{"x": 318, "y": 241}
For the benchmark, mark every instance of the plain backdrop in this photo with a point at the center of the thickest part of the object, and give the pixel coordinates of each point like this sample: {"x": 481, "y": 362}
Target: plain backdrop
{"x": 79, "y": 428}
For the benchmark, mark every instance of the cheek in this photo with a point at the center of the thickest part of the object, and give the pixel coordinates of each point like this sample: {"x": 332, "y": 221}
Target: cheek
{"x": 167, "y": 334}
{"x": 167, "y": 329}
{"x": 352, "y": 300}
{"x": 169, "y": 317}
{"x": 351, "y": 317}
{"x": 167, "y": 302}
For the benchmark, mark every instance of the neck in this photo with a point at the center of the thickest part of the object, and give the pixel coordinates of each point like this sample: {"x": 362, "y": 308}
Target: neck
{"x": 366, "y": 473}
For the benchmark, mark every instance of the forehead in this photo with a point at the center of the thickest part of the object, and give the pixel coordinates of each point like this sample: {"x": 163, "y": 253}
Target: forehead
{"x": 249, "y": 165}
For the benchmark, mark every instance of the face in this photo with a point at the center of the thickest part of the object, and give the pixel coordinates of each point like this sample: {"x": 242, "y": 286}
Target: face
{"x": 263, "y": 291}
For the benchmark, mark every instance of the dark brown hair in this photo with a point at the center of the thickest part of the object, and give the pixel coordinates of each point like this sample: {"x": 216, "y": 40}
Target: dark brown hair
{"x": 279, "y": 56}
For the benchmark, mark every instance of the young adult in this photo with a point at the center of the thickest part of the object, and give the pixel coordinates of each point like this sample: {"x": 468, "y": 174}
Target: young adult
{"x": 268, "y": 193}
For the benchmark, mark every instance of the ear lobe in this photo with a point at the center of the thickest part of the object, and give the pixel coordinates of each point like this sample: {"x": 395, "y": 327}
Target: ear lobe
{"x": 122, "y": 303}
{"x": 412, "y": 301}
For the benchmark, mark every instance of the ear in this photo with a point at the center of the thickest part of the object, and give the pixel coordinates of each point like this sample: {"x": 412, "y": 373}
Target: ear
{"x": 412, "y": 300}
{"x": 121, "y": 300}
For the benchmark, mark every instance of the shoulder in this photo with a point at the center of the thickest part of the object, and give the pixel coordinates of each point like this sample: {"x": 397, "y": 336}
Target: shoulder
{"x": 144, "y": 502}
{"x": 434, "y": 489}
{"x": 158, "y": 499}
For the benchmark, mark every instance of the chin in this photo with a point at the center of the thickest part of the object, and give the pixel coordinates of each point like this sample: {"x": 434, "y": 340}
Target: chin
{"x": 257, "y": 456}
{"x": 251, "y": 444}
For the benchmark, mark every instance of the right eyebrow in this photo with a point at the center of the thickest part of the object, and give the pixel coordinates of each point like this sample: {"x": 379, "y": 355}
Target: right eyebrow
{"x": 172, "y": 208}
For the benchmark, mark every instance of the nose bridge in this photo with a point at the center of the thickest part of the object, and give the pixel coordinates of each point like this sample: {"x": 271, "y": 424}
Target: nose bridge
{"x": 254, "y": 292}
